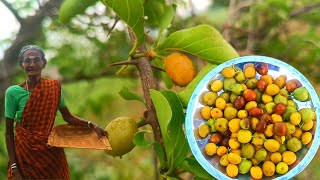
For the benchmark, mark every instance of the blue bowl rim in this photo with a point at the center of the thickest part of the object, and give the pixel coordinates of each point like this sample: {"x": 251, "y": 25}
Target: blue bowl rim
{"x": 254, "y": 58}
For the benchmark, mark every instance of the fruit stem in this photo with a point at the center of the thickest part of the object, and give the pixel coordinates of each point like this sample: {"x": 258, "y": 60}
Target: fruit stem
{"x": 141, "y": 122}
{"x": 138, "y": 55}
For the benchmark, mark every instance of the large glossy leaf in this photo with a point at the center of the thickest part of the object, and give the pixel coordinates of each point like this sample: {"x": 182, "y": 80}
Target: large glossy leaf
{"x": 130, "y": 95}
{"x": 71, "y": 8}
{"x": 203, "y": 41}
{"x": 179, "y": 148}
{"x": 158, "y": 13}
{"x": 132, "y": 13}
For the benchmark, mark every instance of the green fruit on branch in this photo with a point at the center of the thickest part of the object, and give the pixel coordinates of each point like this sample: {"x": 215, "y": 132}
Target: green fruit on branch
{"x": 121, "y": 132}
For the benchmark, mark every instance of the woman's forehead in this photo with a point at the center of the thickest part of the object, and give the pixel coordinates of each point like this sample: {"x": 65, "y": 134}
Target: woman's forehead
{"x": 32, "y": 52}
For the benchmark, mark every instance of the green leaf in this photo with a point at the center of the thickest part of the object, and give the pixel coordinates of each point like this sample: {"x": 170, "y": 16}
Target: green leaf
{"x": 129, "y": 95}
{"x": 139, "y": 139}
{"x": 193, "y": 166}
{"x": 179, "y": 147}
{"x": 203, "y": 41}
{"x": 132, "y": 13}
{"x": 164, "y": 114}
{"x": 71, "y": 8}
{"x": 158, "y": 8}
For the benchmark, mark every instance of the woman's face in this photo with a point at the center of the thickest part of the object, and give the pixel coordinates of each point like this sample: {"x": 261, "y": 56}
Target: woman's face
{"x": 32, "y": 63}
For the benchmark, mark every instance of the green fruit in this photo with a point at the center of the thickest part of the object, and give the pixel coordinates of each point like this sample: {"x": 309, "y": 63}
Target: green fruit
{"x": 221, "y": 124}
{"x": 227, "y": 83}
{"x": 252, "y": 83}
{"x": 244, "y": 166}
{"x": 269, "y": 107}
{"x": 239, "y": 76}
{"x": 259, "y": 95}
{"x": 248, "y": 151}
{"x": 225, "y": 96}
{"x": 288, "y": 112}
{"x": 120, "y": 134}
{"x": 261, "y": 155}
{"x": 237, "y": 89}
{"x": 230, "y": 113}
{"x": 282, "y": 148}
{"x": 211, "y": 123}
{"x": 279, "y": 98}
{"x": 293, "y": 144}
{"x": 301, "y": 94}
{"x": 307, "y": 114}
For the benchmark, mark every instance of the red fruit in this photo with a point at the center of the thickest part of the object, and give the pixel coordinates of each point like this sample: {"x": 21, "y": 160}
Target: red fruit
{"x": 280, "y": 129}
{"x": 239, "y": 102}
{"x": 262, "y": 85}
{"x": 255, "y": 112}
{"x": 245, "y": 123}
{"x": 266, "y": 117}
{"x": 216, "y": 138}
{"x": 291, "y": 86}
{"x": 279, "y": 108}
{"x": 262, "y": 68}
{"x": 261, "y": 126}
{"x": 225, "y": 141}
{"x": 249, "y": 95}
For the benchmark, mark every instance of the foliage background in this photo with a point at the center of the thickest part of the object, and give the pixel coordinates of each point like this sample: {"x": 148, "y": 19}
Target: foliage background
{"x": 79, "y": 53}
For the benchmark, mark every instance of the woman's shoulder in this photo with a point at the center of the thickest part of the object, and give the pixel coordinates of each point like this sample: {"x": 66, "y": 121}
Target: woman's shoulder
{"x": 14, "y": 89}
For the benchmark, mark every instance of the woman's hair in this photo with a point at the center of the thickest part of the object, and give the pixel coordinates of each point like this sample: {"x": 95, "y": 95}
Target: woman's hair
{"x": 31, "y": 47}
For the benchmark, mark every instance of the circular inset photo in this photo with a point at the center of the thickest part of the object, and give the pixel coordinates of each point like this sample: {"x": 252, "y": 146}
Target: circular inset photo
{"x": 253, "y": 116}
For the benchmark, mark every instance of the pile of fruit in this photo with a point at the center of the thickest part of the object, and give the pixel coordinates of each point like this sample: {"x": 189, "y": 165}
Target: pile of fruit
{"x": 253, "y": 122}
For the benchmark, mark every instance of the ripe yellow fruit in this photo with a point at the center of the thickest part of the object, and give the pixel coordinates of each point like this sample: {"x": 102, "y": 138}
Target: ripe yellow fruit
{"x": 216, "y": 85}
{"x": 244, "y": 136}
{"x": 268, "y": 168}
{"x": 206, "y": 112}
{"x": 289, "y": 157}
{"x": 276, "y": 157}
{"x": 120, "y": 134}
{"x": 282, "y": 168}
{"x": 228, "y": 72}
{"x": 250, "y": 72}
{"x": 224, "y": 160}
{"x": 295, "y": 118}
{"x": 210, "y": 149}
{"x": 222, "y": 150}
{"x": 216, "y": 113}
{"x": 272, "y": 90}
{"x": 234, "y": 158}
{"x": 232, "y": 170}
{"x": 271, "y": 145}
{"x": 234, "y": 143}
{"x": 179, "y": 68}
{"x": 306, "y": 137}
{"x": 256, "y": 172}
{"x": 234, "y": 125}
{"x": 221, "y": 103}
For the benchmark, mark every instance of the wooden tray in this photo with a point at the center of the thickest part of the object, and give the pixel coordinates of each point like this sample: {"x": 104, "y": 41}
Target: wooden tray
{"x": 71, "y": 136}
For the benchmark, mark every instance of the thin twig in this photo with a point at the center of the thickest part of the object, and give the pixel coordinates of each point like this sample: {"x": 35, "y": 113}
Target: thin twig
{"x": 157, "y": 68}
{"x": 123, "y": 63}
{"x": 304, "y": 10}
{"x": 114, "y": 25}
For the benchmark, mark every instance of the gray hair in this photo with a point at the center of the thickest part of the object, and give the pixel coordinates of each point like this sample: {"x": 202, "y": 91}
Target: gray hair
{"x": 31, "y": 47}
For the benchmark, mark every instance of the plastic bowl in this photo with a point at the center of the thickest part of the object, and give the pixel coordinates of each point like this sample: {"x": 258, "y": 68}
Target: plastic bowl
{"x": 194, "y": 118}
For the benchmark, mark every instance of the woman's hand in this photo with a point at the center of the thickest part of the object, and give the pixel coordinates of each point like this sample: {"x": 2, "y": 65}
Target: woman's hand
{"x": 100, "y": 131}
{"x": 16, "y": 175}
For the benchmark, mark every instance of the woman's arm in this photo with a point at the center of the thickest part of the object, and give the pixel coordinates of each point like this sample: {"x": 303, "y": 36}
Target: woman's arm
{"x": 74, "y": 120}
{"x": 10, "y": 148}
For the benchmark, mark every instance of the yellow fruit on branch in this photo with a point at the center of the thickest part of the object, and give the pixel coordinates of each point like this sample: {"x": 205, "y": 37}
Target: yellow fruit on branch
{"x": 179, "y": 68}
{"x": 121, "y": 132}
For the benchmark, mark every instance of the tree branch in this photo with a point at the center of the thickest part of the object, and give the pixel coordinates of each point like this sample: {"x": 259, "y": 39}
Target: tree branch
{"x": 13, "y": 11}
{"x": 304, "y": 10}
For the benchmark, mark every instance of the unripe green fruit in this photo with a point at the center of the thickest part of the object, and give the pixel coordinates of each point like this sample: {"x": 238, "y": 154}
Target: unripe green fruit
{"x": 121, "y": 132}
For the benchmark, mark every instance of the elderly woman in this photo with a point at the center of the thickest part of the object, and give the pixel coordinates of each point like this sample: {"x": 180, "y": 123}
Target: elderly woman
{"x": 33, "y": 105}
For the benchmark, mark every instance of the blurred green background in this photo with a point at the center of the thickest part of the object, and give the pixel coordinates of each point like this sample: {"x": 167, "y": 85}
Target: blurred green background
{"x": 79, "y": 54}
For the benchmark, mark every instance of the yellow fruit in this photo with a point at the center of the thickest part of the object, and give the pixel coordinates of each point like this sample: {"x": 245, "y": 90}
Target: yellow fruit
{"x": 258, "y": 139}
{"x": 221, "y": 103}
{"x": 256, "y": 172}
{"x": 289, "y": 157}
{"x": 228, "y": 72}
{"x": 179, "y": 68}
{"x": 224, "y": 160}
{"x": 206, "y": 112}
{"x": 250, "y": 105}
{"x": 250, "y": 72}
{"x": 232, "y": 170}
{"x": 204, "y": 130}
{"x": 295, "y": 118}
{"x": 271, "y": 145}
{"x": 268, "y": 168}
{"x": 222, "y": 150}
{"x": 276, "y": 118}
{"x": 266, "y": 98}
{"x": 297, "y": 133}
{"x": 210, "y": 98}
{"x": 120, "y": 135}
{"x": 234, "y": 158}
{"x": 282, "y": 168}
{"x": 234, "y": 143}
{"x": 242, "y": 114}
{"x": 306, "y": 138}
{"x": 234, "y": 125}
{"x": 216, "y": 85}
{"x": 254, "y": 122}
{"x": 307, "y": 126}
{"x": 269, "y": 130}
{"x": 236, "y": 151}
{"x": 272, "y": 90}
{"x": 216, "y": 113}
{"x": 276, "y": 157}
{"x": 210, "y": 149}
{"x": 244, "y": 136}
{"x": 268, "y": 78}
